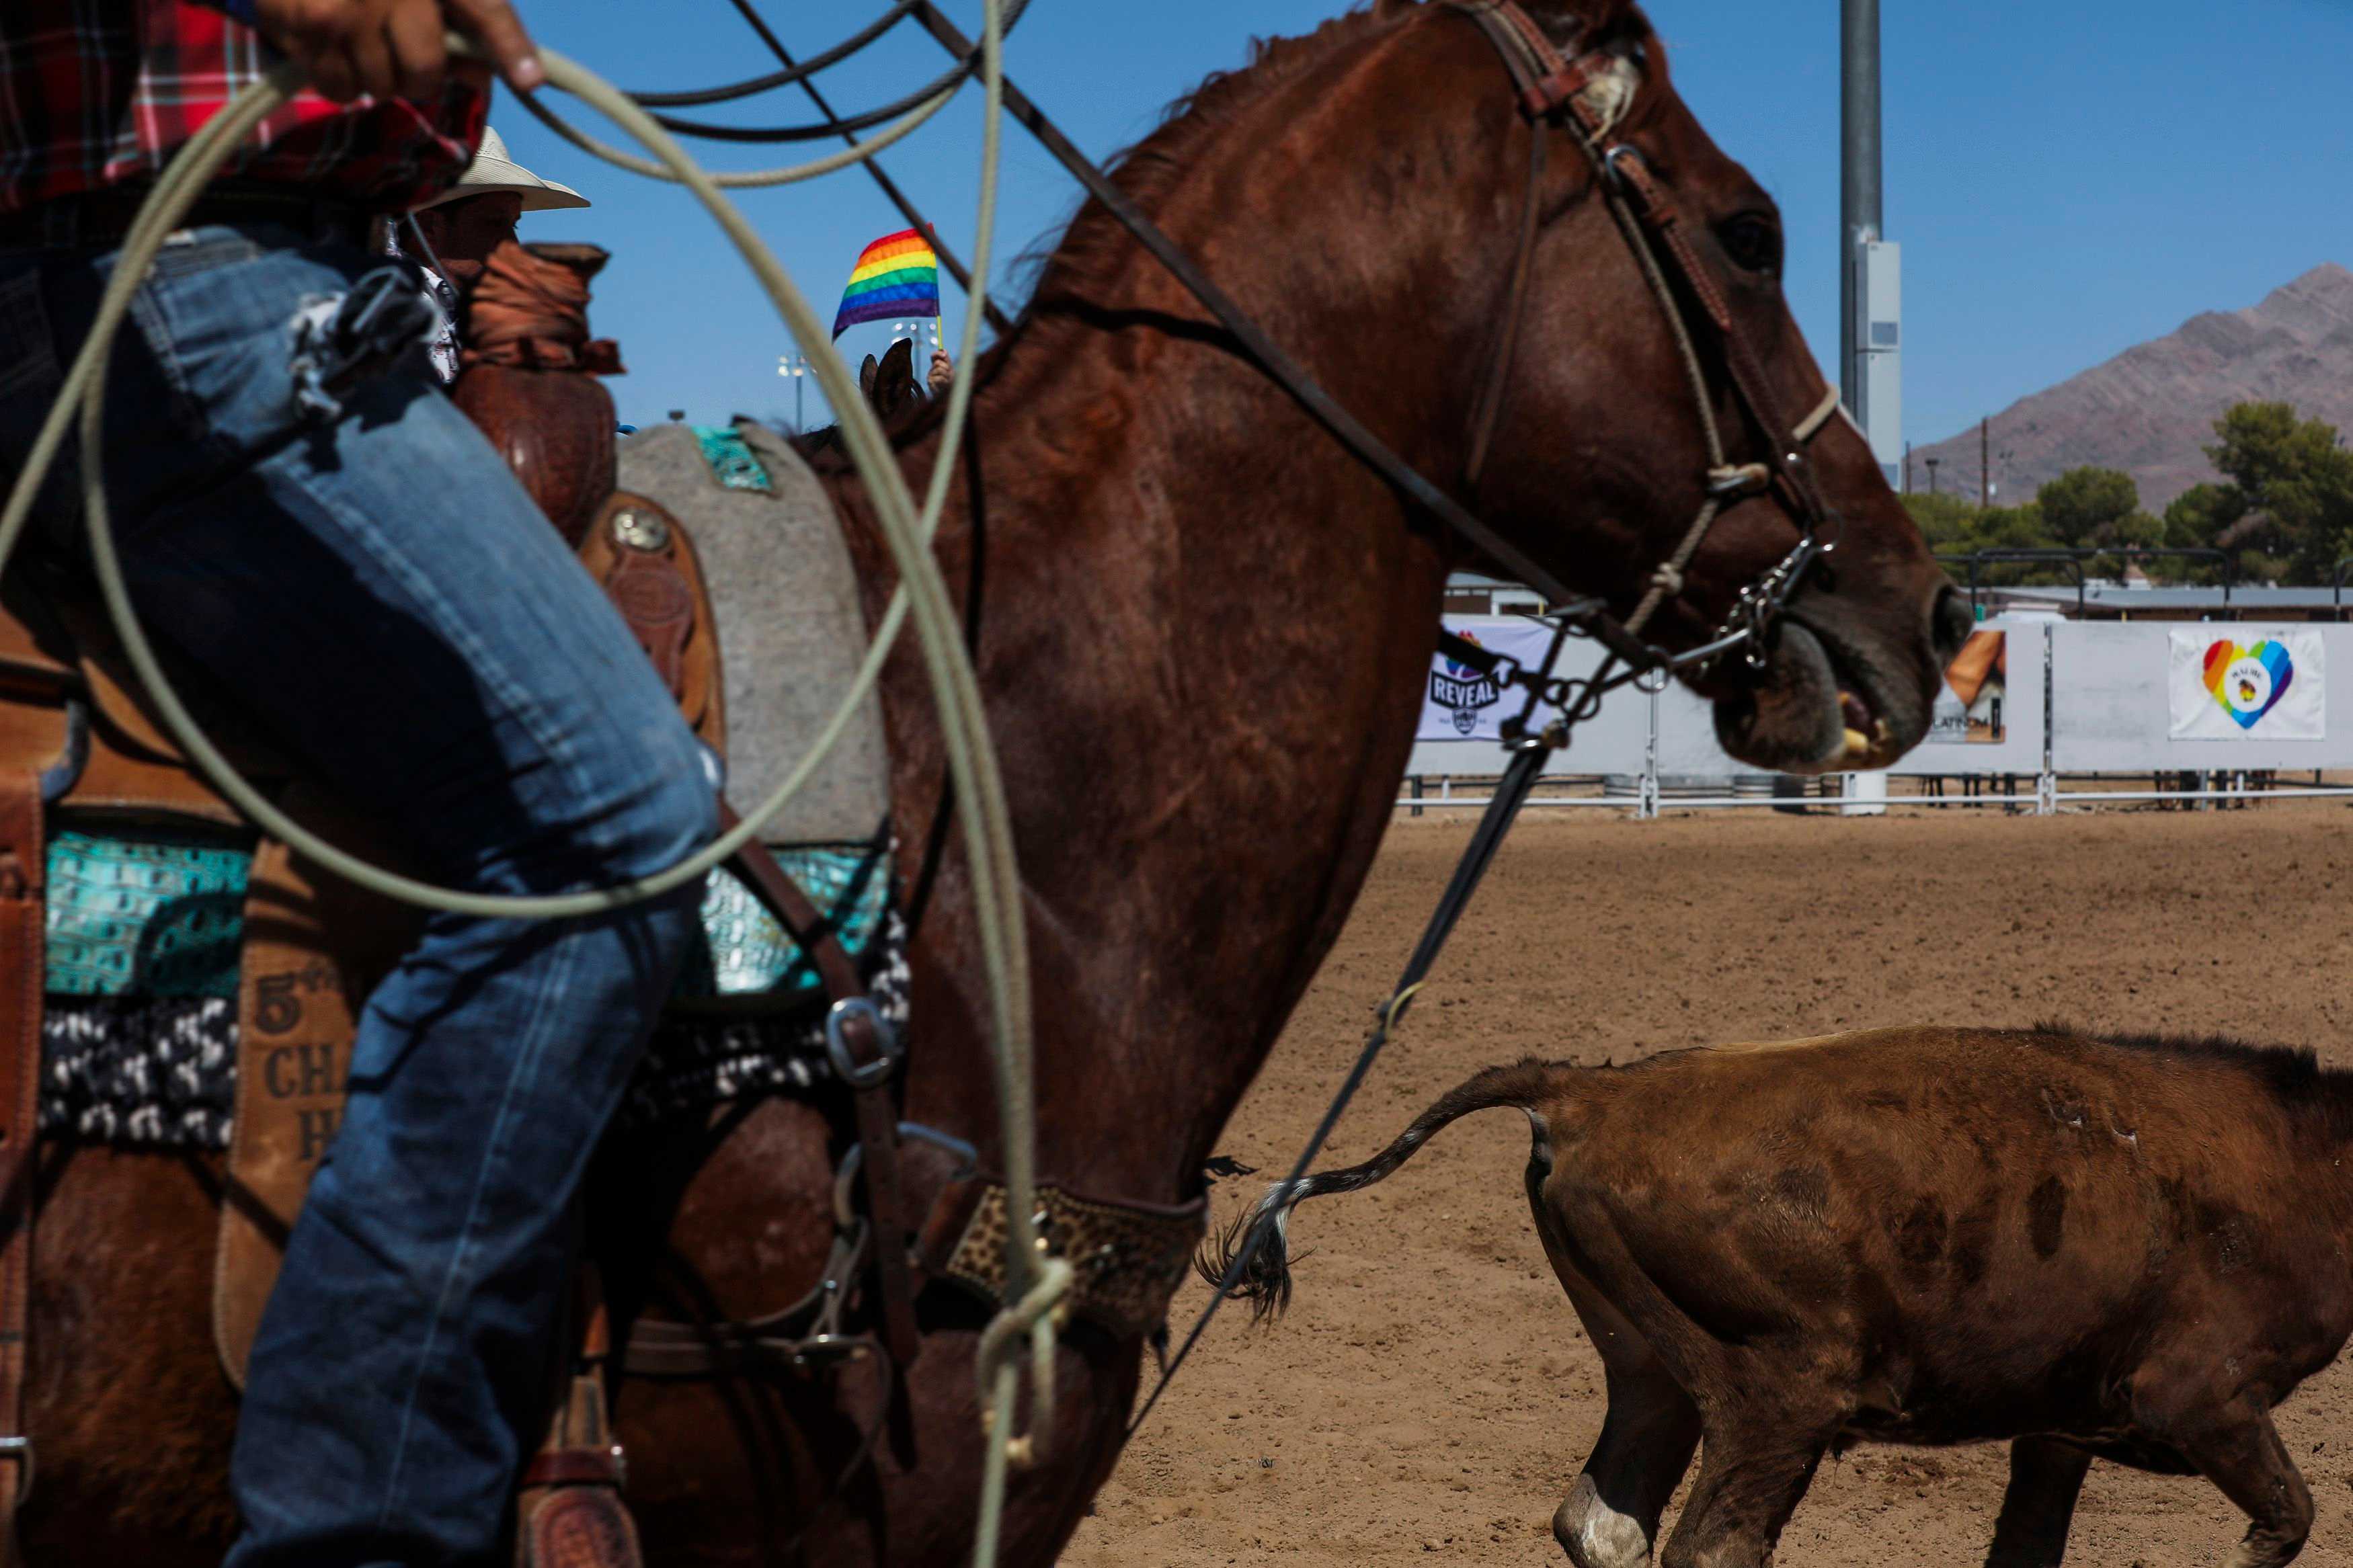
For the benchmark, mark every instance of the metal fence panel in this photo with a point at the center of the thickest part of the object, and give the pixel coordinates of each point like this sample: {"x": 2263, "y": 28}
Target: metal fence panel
{"x": 2112, "y": 715}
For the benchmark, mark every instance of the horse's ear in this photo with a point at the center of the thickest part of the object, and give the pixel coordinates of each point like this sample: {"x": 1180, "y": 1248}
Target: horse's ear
{"x": 898, "y": 363}
{"x": 866, "y": 375}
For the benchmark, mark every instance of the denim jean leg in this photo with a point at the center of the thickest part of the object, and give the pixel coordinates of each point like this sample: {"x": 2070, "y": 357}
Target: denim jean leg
{"x": 384, "y": 598}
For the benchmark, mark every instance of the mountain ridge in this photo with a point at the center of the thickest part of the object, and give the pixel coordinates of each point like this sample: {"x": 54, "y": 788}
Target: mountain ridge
{"x": 2150, "y": 410}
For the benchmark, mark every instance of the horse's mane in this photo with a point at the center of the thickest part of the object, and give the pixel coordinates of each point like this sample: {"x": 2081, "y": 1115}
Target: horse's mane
{"x": 1147, "y": 173}
{"x": 1092, "y": 246}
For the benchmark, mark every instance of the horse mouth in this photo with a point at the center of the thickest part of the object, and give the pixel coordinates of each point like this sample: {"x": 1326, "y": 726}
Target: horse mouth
{"x": 1821, "y": 706}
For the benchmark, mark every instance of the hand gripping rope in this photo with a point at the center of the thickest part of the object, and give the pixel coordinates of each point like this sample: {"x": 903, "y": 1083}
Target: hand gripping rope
{"x": 1034, "y": 1283}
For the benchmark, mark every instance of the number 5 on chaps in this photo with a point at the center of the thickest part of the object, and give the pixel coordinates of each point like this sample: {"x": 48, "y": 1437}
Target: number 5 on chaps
{"x": 314, "y": 948}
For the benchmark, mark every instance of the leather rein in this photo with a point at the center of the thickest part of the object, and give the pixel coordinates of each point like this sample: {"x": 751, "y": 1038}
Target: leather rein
{"x": 1132, "y": 1256}
{"x": 1553, "y": 92}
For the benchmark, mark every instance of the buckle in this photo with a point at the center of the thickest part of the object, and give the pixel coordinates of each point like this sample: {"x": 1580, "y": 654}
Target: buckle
{"x": 867, "y": 1075}
{"x": 1635, "y": 185}
{"x": 21, "y": 1450}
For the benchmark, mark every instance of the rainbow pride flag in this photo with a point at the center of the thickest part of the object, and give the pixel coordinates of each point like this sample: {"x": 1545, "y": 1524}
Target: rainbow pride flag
{"x": 898, "y": 275}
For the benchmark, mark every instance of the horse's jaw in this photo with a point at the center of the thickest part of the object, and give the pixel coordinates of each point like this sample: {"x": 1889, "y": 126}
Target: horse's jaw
{"x": 1820, "y": 706}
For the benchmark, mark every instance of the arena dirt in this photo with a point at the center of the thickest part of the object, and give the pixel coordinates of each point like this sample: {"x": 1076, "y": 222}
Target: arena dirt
{"x": 1431, "y": 1397}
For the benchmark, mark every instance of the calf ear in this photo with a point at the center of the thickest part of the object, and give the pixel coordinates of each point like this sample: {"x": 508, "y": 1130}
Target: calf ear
{"x": 866, "y": 375}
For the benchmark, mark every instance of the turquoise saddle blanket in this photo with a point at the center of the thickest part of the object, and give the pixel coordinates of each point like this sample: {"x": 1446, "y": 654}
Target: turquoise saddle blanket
{"x": 161, "y": 913}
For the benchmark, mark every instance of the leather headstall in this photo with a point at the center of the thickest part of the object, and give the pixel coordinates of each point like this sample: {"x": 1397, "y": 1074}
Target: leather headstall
{"x": 1555, "y": 90}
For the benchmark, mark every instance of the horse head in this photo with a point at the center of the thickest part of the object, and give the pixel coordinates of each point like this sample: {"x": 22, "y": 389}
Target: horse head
{"x": 1599, "y": 463}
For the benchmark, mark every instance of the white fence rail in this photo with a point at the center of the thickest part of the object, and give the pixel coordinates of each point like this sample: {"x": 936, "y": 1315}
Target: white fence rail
{"x": 2054, "y": 699}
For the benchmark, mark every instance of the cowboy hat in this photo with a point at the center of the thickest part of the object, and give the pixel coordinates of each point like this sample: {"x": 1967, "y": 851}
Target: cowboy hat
{"x": 493, "y": 171}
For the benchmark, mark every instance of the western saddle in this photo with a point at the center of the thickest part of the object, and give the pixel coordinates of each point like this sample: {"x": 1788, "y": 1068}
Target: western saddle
{"x": 77, "y": 736}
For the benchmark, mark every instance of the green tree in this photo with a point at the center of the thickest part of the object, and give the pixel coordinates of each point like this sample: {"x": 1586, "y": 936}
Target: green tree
{"x": 2082, "y": 507}
{"x": 1954, "y": 527}
{"x": 2200, "y": 518}
{"x": 1943, "y": 520}
{"x": 2288, "y": 510}
{"x": 2200, "y": 515}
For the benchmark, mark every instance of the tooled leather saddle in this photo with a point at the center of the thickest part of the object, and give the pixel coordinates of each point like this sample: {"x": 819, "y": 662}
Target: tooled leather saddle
{"x": 76, "y": 735}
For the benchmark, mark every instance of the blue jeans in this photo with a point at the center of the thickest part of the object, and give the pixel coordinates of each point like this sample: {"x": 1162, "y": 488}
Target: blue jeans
{"x": 383, "y": 595}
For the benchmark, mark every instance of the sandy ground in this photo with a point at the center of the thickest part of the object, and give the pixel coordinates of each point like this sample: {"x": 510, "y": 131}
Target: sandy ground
{"x": 1431, "y": 1396}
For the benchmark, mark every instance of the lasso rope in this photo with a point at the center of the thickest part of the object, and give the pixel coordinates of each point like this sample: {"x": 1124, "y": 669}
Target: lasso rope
{"x": 922, "y": 594}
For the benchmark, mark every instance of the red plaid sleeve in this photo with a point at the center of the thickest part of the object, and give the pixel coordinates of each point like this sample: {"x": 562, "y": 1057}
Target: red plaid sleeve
{"x": 102, "y": 92}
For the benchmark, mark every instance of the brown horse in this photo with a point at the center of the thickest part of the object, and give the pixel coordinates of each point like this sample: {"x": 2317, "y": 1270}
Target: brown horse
{"x": 1203, "y": 638}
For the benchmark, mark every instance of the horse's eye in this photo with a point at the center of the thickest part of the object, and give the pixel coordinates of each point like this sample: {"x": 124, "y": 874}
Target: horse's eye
{"x": 1754, "y": 242}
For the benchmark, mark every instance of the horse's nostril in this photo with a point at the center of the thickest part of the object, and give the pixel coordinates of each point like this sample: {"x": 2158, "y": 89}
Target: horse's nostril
{"x": 1950, "y": 622}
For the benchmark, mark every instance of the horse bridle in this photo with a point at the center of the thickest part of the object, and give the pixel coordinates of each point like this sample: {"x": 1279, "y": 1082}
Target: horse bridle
{"x": 1555, "y": 91}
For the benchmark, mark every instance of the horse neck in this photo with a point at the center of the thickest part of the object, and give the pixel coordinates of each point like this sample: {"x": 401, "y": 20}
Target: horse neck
{"x": 1204, "y": 637}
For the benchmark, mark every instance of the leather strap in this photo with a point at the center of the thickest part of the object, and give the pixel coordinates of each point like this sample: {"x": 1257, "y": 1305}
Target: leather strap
{"x": 1520, "y": 43}
{"x": 1499, "y": 377}
{"x": 1130, "y": 1258}
{"x": 315, "y": 945}
{"x": 295, "y": 1027}
{"x": 877, "y": 1110}
{"x": 1279, "y": 366}
{"x": 783, "y": 898}
{"x": 874, "y": 1097}
{"x": 23, "y": 936}
{"x": 1552, "y": 88}
{"x": 574, "y": 1467}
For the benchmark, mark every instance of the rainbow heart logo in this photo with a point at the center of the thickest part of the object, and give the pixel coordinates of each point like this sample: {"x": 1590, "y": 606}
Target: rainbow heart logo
{"x": 2248, "y": 681}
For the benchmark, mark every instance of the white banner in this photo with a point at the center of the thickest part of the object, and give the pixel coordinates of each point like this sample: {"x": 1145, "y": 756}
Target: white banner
{"x": 1460, "y": 703}
{"x": 2227, "y": 683}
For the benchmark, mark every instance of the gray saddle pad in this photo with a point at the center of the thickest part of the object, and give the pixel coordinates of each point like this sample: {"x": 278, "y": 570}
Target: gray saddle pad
{"x": 791, "y": 630}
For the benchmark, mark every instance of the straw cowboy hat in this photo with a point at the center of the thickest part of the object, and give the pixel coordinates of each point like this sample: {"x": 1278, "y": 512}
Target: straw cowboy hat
{"x": 493, "y": 171}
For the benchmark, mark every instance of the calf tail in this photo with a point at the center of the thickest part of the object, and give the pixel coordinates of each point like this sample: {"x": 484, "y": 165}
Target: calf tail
{"x": 1264, "y": 1232}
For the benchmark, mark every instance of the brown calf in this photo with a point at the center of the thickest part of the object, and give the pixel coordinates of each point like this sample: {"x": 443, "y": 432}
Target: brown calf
{"x": 2128, "y": 1250}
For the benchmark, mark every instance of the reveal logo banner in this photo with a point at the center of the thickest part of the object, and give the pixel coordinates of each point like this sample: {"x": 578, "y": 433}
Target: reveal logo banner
{"x": 1462, "y": 704}
{"x": 2248, "y": 686}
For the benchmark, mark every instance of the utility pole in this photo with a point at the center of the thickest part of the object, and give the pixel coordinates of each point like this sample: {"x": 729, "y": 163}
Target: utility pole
{"x": 1932, "y": 474}
{"x": 1907, "y": 468}
{"x": 1985, "y": 464}
{"x": 1871, "y": 325}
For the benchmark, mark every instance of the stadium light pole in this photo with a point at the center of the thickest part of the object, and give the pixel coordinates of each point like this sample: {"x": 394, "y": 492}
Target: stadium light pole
{"x": 797, "y": 366}
{"x": 1871, "y": 329}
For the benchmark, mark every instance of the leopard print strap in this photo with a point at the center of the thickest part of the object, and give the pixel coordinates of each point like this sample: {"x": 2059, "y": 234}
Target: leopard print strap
{"x": 1128, "y": 1258}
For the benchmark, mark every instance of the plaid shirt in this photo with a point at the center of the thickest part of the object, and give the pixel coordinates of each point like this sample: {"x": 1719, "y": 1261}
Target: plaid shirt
{"x": 102, "y": 92}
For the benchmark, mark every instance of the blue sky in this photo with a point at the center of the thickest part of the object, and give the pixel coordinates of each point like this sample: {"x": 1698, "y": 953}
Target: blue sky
{"x": 2067, "y": 179}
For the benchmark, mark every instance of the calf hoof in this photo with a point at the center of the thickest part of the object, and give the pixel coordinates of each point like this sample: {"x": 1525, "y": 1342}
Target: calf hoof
{"x": 1596, "y": 1535}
